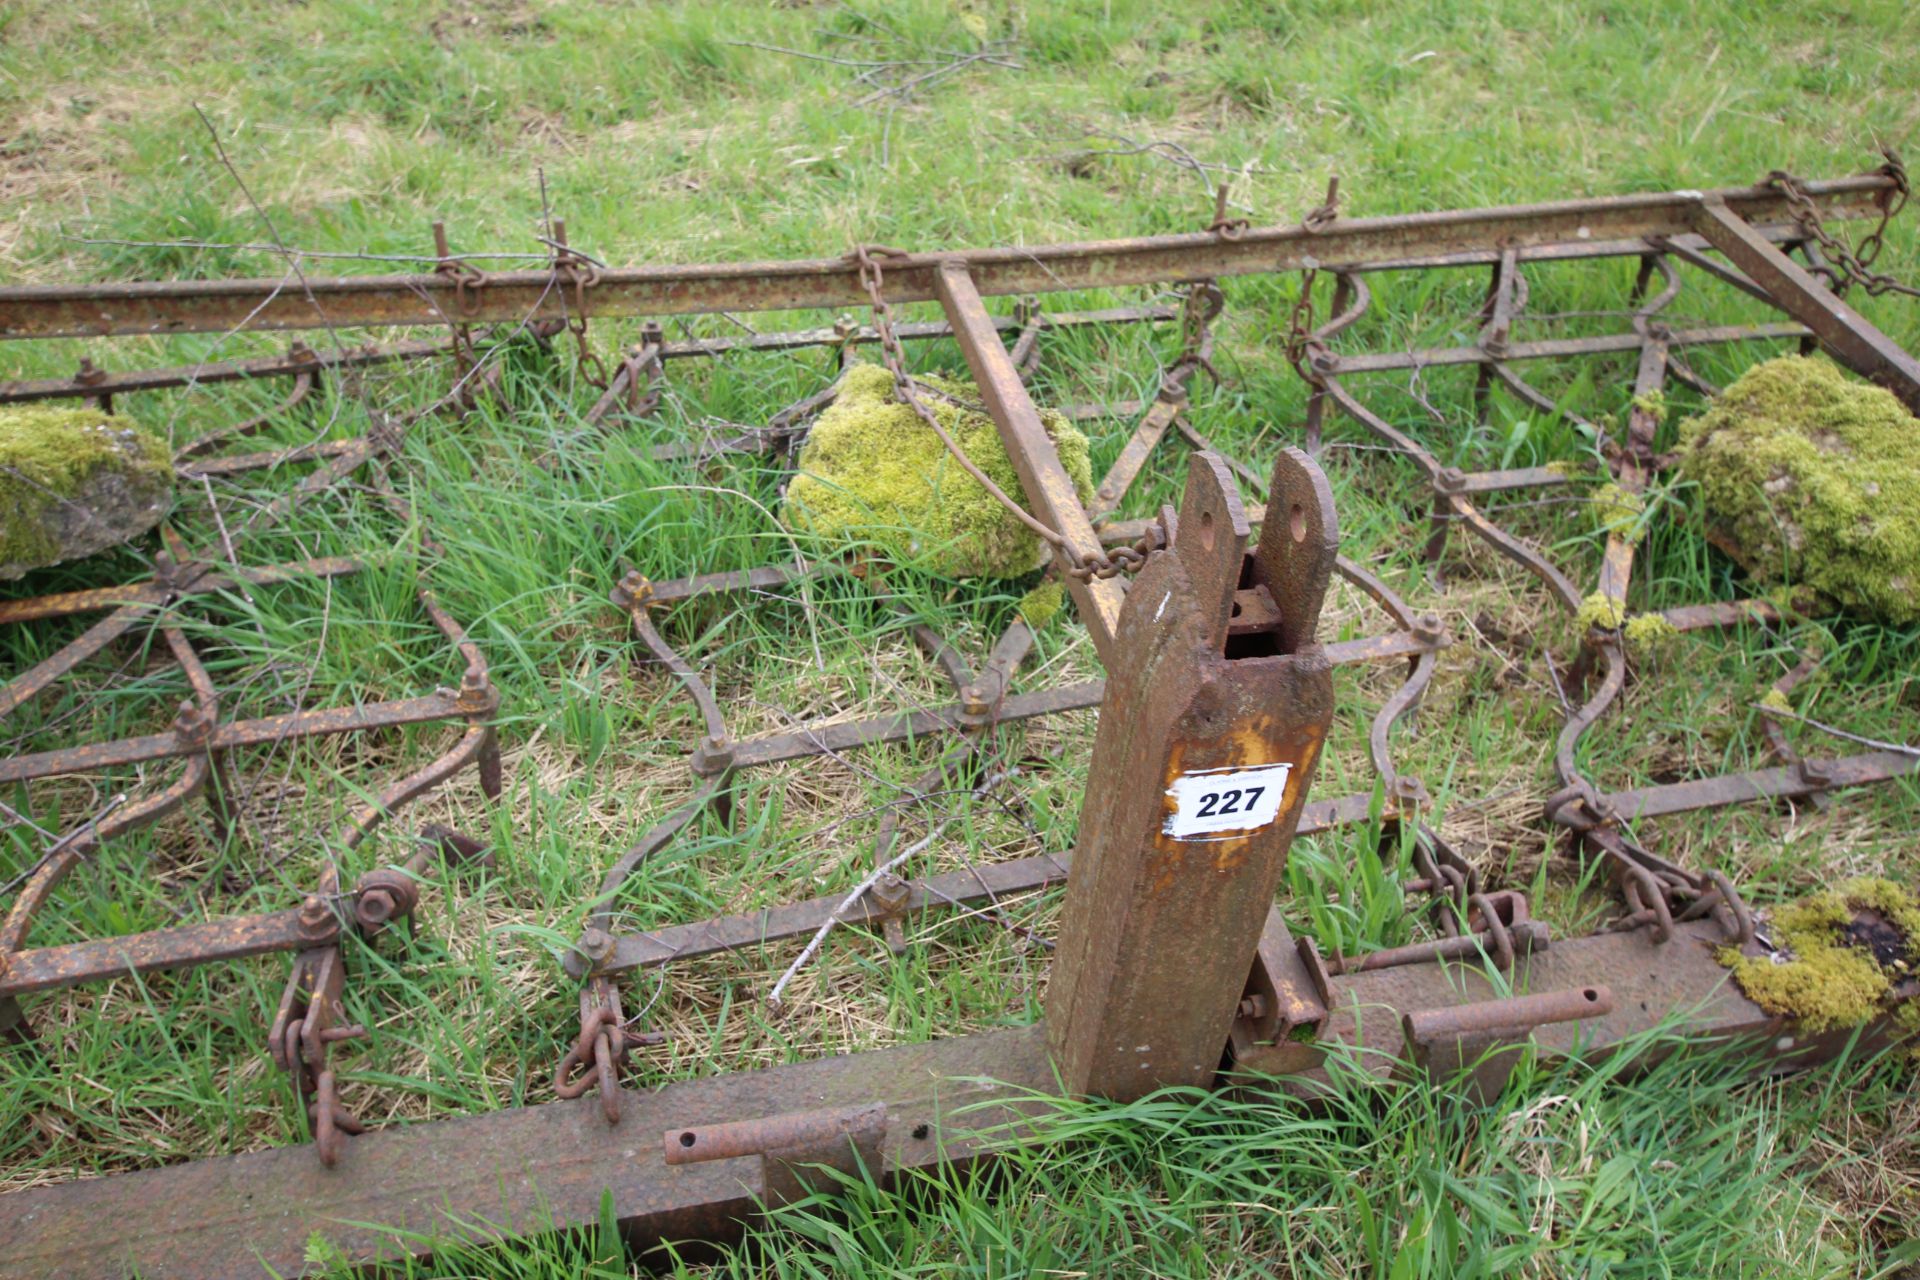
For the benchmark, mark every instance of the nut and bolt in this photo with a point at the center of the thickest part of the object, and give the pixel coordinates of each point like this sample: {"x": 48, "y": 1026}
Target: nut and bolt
{"x": 476, "y": 692}
{"x": 631, "y": 590}
{"x": 1452, "y": 479}
{"x": 317, "y": 922}
{"x": 193, "y": 726}
{"x": 889, "y": 893}
{"x": 596, "y": 944}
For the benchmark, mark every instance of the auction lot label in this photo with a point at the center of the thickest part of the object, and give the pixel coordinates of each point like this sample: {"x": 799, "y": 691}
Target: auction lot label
{"x": 1215, "y": 804}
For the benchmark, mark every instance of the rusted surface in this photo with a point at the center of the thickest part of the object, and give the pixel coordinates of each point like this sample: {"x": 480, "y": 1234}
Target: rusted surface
{"x": 518, "y": 297}
{"x": 50, "y": 968}
{"x": 1850, "y": 336}
{"x": 554, "y": 1166}
{"x": 1167, "y": 954}
{"x": 1159, "y": 927}
{"x": 521, "y": 1170}
{"x": 1523, "y": 1013}
{"x": 1048, "y": 489}
{"x": 684, "y": 1144}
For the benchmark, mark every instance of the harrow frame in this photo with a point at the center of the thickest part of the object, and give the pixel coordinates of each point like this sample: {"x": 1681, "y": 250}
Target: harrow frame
{"x": 1249, "y": 998}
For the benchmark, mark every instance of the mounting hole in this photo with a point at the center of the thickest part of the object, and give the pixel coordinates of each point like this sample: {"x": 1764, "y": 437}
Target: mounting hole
{"x": 1206, "y": 530}
{"x": 1593, "y": 997}
{"x": 687, "y": 1139}
{"x": 920, "y": 1131}
{"x": 1298, "y": 522}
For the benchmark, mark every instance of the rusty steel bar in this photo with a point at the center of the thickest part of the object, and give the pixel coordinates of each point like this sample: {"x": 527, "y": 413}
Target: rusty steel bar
{"x": 560, "y": 1166}
{"x": 153, "y": 594}
{"x": 1206, "y": 747}
{"x": 683, "y": 1145}
{"x": 1508, "y": 1013}
{"x": 301, "y": 359}
{"x": 1579, "y": 227}
{"x": 1850, "y": 336}
{"x": 237, "y": 733}
{"x": 1560, "y": 348}
{"x": 1049, "y": 491}
{"x": 1784, "y": 783}
{"x": 176, "y": 947}
{"x": 986, "y": 882}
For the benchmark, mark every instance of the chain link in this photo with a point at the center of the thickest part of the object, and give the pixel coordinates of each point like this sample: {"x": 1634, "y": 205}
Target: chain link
{"x": 1078, "y": 565}
{"x": 1855, "y": 265}
{"x": 1300, "y": 328}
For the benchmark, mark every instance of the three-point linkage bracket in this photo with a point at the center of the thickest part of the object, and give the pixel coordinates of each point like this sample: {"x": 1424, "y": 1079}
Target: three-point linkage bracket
{"x": 1217, "y": 705}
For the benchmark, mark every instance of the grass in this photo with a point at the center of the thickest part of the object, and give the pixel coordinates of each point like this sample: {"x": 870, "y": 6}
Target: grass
{"x": 660, "y": 134}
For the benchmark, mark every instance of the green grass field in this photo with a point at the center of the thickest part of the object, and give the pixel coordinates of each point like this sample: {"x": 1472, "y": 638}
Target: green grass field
{"x": 673, "y": 133}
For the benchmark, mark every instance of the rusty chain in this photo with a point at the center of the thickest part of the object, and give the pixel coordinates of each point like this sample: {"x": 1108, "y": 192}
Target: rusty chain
{"x": 1078, "y": 565}
{"x": 1855, "y": 265}
{"x": 1300, "y": 328}
{"x": 602, "y": 1050}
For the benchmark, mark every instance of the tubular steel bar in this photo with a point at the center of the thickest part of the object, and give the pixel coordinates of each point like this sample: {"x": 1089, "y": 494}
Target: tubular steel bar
{"x": 1459, "y": 237}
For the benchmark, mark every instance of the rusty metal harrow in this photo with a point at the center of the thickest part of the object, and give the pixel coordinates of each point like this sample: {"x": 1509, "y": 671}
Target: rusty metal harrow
{"x": 1166, "y": 962}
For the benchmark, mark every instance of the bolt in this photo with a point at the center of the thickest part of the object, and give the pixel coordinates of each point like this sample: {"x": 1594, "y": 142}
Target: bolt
{"x": 476, "y": 692}
{"x": 1452, "y": 479}
{"x": 316, "y": 919}
{"x": 1427, "y": 626}
{"x": 596, "y": 944}
{"x": 192, "y": 725}
{"x": 1253, "y": 1007}
{"x": 889, "y": 893}
{"x": 88, "y": 375}
{"x": 632, "y": 589}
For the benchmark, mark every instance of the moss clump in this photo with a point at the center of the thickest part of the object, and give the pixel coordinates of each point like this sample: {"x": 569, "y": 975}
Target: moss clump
{"x": 1776, "y": 701}
{"x": 872, "y": 471}
{"x": 1647, "y": 632}
{"x": 1038, "y": 607}
{"x": 73, "y": 482}
{"x": 1810, "y": 477}
{"x": 1828, "y": 970}
{"x": 1653, "y": 404}
{"x": 1618, "y": 511}
{"x": 1602, "y": 611}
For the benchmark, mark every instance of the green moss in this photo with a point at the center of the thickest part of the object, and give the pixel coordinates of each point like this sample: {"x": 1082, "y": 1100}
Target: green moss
{"x": 1560, "y": 467}
{"x": 871, "y": 471}
{"x": 1038, "y": 607}
{"x": 1619, "y": 511}
{"x": 1776, "y": 700}
{"x": 1810, "y": 477}
{"x": 1647, "y": 632}
{"x": 47, "y": 454}
{"x": 1602, "y": 611}
{"x": 1653, "y": 404}
{"x": 1815, "y": 976}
